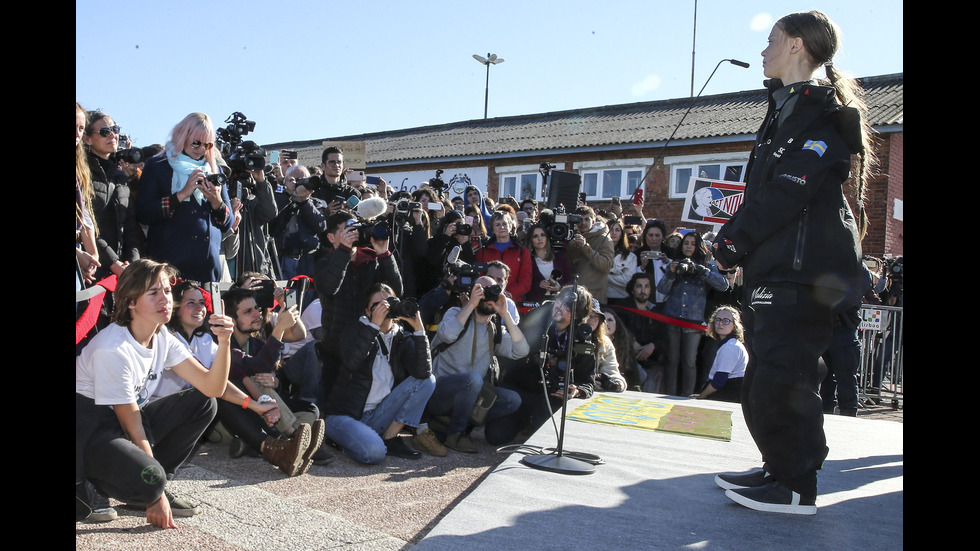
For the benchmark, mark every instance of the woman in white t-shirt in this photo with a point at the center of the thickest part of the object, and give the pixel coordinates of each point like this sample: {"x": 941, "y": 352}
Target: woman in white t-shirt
{"x": 728, "y": 368}
{"x": 127, "y": 446}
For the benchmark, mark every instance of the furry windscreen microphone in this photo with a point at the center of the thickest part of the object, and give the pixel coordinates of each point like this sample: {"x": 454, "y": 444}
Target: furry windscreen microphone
{"x": 371, "y": 208}
{"x": 453, "y": 255}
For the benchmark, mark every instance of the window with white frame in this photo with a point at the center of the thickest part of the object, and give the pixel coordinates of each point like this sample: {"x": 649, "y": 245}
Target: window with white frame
{"x": 683, "y": 169}
{"x": 521, "y": 182}
{"x": 602, "y": 180}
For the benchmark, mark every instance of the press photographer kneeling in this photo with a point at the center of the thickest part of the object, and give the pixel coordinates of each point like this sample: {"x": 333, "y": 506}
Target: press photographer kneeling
{"x": 465, "y": 349}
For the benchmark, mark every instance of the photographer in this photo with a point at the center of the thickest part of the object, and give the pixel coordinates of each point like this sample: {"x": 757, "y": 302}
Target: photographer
{"x": 566, "y": 329}
{"x": 591, "y": 253}
{"x": 384, "y": 382}
{"x": 686, "y": 285}
{"x": 334, "y": 190}
{"x": 185, "y": 210}
{"x": 503, "y": 246}
{"x": 342, "y": 278}
{"x": 409, "y": 241}
{"x": 652, "y": 259}
{"x": 464, "y": 360}
{"x": 258, "y": 209}
{"x": 297, "y": 227}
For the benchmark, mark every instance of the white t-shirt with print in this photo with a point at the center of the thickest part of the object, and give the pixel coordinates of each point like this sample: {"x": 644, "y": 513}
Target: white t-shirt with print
{"x": 114, "y": 369}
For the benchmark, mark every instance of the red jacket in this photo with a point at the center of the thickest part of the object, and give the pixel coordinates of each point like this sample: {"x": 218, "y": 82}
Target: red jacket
{"x": 518, "y": 258}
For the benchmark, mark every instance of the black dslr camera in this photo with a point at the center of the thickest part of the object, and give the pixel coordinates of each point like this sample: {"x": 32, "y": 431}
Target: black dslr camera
{"x": 368, "y": 230}
{"x": 133, "y": 155}
{"x": 688, "y": 268}
{"x": 398, "y": 308}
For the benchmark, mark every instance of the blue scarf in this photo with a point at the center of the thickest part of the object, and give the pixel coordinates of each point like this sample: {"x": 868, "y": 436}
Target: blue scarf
{"x": 183, "y": 167}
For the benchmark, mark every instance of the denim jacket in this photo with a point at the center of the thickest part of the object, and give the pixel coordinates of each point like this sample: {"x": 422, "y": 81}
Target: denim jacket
{"x": 686, "y": 295}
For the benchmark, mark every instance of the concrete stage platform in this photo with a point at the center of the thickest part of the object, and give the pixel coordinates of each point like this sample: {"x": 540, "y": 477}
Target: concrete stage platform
{"x": 656, "y": 491}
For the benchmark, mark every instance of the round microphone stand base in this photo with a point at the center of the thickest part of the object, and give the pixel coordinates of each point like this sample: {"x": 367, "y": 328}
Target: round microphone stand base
{"x": 558, "y": 464}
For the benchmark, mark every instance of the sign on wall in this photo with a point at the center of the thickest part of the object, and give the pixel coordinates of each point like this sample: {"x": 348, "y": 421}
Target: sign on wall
{"x": 712, "y": 201}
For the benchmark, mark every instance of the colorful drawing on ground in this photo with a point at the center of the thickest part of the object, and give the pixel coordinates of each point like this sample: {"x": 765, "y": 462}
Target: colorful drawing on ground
{"x": 660, "y": 416}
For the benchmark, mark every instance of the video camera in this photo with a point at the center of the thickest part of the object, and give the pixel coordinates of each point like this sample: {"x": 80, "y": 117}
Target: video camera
{"x": 404, "y": 208}
{"x": 437, "y": 183}
{"x": 241, "y": 155}
{"x": 559, "y": 225}
{"x": 895, "y": 269}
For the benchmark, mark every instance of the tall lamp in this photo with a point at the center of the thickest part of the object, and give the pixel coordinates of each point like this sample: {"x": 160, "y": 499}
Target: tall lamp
{"x": 491, "y": 59}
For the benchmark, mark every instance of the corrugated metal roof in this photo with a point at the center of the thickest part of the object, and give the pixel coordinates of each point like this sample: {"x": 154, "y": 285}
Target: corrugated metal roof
{"x": 732, "y": 114}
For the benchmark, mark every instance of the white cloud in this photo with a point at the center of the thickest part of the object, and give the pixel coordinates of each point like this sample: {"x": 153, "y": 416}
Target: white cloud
{"x": 761, "y": 22}
{"x": 648, "y": 84}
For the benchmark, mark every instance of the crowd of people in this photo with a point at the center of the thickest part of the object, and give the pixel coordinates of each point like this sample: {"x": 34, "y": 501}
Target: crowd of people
{"x": 405, "y": 313}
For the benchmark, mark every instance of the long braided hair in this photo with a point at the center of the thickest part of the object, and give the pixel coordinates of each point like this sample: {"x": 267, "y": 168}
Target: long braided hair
{"x": 822, "y": 38}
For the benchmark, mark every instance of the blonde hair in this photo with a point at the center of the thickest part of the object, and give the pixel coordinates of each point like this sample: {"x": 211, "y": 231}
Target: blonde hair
{"x": 185, "y": 128}
{"x": 83, "y": 177}
{"x": 737, "y": 330}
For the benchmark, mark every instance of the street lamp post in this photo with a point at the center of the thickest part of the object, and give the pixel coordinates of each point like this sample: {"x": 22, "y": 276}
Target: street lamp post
{"x": 491, "y": 59}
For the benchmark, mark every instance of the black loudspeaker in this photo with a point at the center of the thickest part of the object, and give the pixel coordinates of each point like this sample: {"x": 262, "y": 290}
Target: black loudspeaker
{"x": 563, "y": 190}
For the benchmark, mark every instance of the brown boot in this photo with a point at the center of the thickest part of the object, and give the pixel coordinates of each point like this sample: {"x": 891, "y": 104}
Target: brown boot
{"x": 287, "y": 453}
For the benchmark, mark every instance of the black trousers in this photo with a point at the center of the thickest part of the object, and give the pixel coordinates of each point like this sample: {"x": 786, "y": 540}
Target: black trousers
{"x": 787, "y": 328}
{"x": 173, "y": 425}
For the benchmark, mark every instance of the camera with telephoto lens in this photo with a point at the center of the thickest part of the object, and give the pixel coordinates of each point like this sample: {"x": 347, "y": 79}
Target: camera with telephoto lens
{"x": 368, "y": 230}
{"x": 133, "y": 155}
{"x": 312, "y": 183}
{"x": 492, "y": 293}
{"x": 463, "y": 229}
{"x": 402, "y": 308}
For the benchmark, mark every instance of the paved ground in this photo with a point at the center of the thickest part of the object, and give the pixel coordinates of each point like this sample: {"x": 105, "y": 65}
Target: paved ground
{"x": 250, "y": 505}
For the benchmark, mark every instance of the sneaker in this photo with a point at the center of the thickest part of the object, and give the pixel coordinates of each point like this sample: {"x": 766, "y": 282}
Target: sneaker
{"x": 181, "y": 507}
{"x": 426, "y": 441}
{"x": 397, "y": 447}
{"x": 323, "y": 456}
{"x": 751, "y": 479}
{"x": 287, "y": 453}
{"x": 102, "y": 511}
{"x": 774, "y": 498}
{"x": 460, "y": 442}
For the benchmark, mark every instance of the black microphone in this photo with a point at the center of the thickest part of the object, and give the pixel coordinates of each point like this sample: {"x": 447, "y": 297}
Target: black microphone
{"x": 741, "y": 64}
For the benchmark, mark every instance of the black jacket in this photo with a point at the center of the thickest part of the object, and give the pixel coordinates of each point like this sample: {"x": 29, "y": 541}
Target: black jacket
{"x": 795, "y": 225}
{"x": 120, "y": 236}
{"x": 408, "y": 357}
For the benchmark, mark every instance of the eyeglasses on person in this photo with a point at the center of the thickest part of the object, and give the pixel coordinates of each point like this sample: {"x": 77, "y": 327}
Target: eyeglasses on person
{"x": 105, "y": 130}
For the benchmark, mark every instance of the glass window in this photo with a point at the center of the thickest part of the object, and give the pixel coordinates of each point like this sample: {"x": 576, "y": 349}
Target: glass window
{"x": 529, "y": 187}
{"x": 615, "y": 182}
{"x": 682, "y": 174}
{"x": 612, "y": 182}
{"x": 590, "y": 184}
{"x": 519, "y": 186}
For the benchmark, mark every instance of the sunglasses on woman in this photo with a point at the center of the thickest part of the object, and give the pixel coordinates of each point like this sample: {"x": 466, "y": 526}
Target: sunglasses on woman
{"x": 105, "y": 130}
{"x": 198, "y": 144}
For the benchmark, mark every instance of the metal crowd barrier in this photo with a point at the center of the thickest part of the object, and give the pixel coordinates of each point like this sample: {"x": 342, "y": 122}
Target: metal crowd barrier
{"x": 881, "y": 373}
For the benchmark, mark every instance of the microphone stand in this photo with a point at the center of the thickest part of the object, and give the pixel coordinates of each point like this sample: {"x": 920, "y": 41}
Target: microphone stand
{"x": 558, "y": 462}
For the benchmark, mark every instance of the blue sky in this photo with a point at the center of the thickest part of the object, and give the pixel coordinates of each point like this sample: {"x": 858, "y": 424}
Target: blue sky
{"x": 311, "y": 70}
